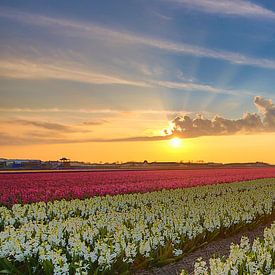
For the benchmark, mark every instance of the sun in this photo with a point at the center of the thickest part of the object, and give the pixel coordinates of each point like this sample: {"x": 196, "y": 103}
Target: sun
{"x": 175, "y": 142}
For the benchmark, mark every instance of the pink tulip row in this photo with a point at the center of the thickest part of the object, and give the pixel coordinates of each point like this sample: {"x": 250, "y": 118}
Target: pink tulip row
{"x": 34, "y": 187}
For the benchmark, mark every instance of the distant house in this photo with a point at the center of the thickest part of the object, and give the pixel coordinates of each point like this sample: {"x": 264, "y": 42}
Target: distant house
{"x": 20, "y": 163}
{"x": 26, "y": 163}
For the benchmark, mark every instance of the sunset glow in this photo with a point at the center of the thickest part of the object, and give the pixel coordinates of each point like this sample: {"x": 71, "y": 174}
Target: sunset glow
{"x": 93, "y": 85}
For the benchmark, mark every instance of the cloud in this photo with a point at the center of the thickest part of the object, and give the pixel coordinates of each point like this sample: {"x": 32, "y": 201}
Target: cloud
{"x": 28, "y": 69}
{"x": 103, "y": 112}
{"x": 51, "y": 126}
{"x": 60, "y": 110}
{"x": 191, "y": 86}
{"x": 30, "y": 139}
{"x": 95, "y": 122}
{"x": 7, "y": 139}
{"x": 182, "y": 126}
{"x": 93, "y": 31}
{"x": 228, "y": 7}
{"x": 161, "y": 16}
{"x": 44, "y": 124}
{"x": 187, "y": 127}
{"x": 268, "y": 109}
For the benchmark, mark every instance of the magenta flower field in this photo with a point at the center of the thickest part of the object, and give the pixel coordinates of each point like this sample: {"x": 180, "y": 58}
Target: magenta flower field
{"x": 34, "y": 187}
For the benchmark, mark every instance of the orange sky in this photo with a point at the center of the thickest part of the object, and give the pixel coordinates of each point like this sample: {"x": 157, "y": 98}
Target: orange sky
{"x": 95, "y": 82}
{"x": 237, "y": 148}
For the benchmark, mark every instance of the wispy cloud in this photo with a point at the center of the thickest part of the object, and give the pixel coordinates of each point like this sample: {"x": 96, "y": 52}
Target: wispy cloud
{"x": 110, "y": 113}
{"x": 95, "y": 122}
{"x": 191, "y": 86}
{"x": 69, "y": 68}
{"x": 45, "y": 125}
{"x": 21, "y": 68}
{"x": 9, "y": 140}
{"x": 59, "y": 110}
{"x": 29, "y": 69}
{"x": 228, "y": 7}
{"x": 93, "y": 31}
{"x": 161, "y": 15}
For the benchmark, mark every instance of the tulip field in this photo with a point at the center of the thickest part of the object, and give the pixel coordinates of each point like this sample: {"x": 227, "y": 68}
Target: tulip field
{"x": 35, "y": 187}
{"x": 121, "y": 222}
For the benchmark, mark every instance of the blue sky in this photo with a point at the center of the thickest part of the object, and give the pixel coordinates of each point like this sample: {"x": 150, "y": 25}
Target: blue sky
{"x": 94, "y": 59}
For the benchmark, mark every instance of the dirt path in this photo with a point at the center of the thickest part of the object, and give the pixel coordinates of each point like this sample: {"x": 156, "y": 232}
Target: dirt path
{"x": 218, "y": 247}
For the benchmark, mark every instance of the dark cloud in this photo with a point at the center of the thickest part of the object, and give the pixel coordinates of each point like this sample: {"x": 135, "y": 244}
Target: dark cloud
{"x": 95, "y": 122}
{"x": 139, "y": 138}
{"x": 188, "y": 127}
{"x": 57, "y": 126}
{"x": 52, "y": 126}
{"x": 44, "y": 124}
{"x": 27, "y": 139}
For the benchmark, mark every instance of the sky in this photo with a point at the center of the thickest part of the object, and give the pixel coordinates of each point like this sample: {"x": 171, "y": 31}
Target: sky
{"x": 117, "y": 80}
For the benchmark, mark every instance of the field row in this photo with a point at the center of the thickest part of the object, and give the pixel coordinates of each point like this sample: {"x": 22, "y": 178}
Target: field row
{"x": 244, "y": 258}
{"x": 108, "y": 234}
{"x": 35, "y": 187}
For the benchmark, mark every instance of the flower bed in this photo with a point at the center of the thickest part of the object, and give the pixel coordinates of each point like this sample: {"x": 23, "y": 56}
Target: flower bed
{"x": 35, "y": 187}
